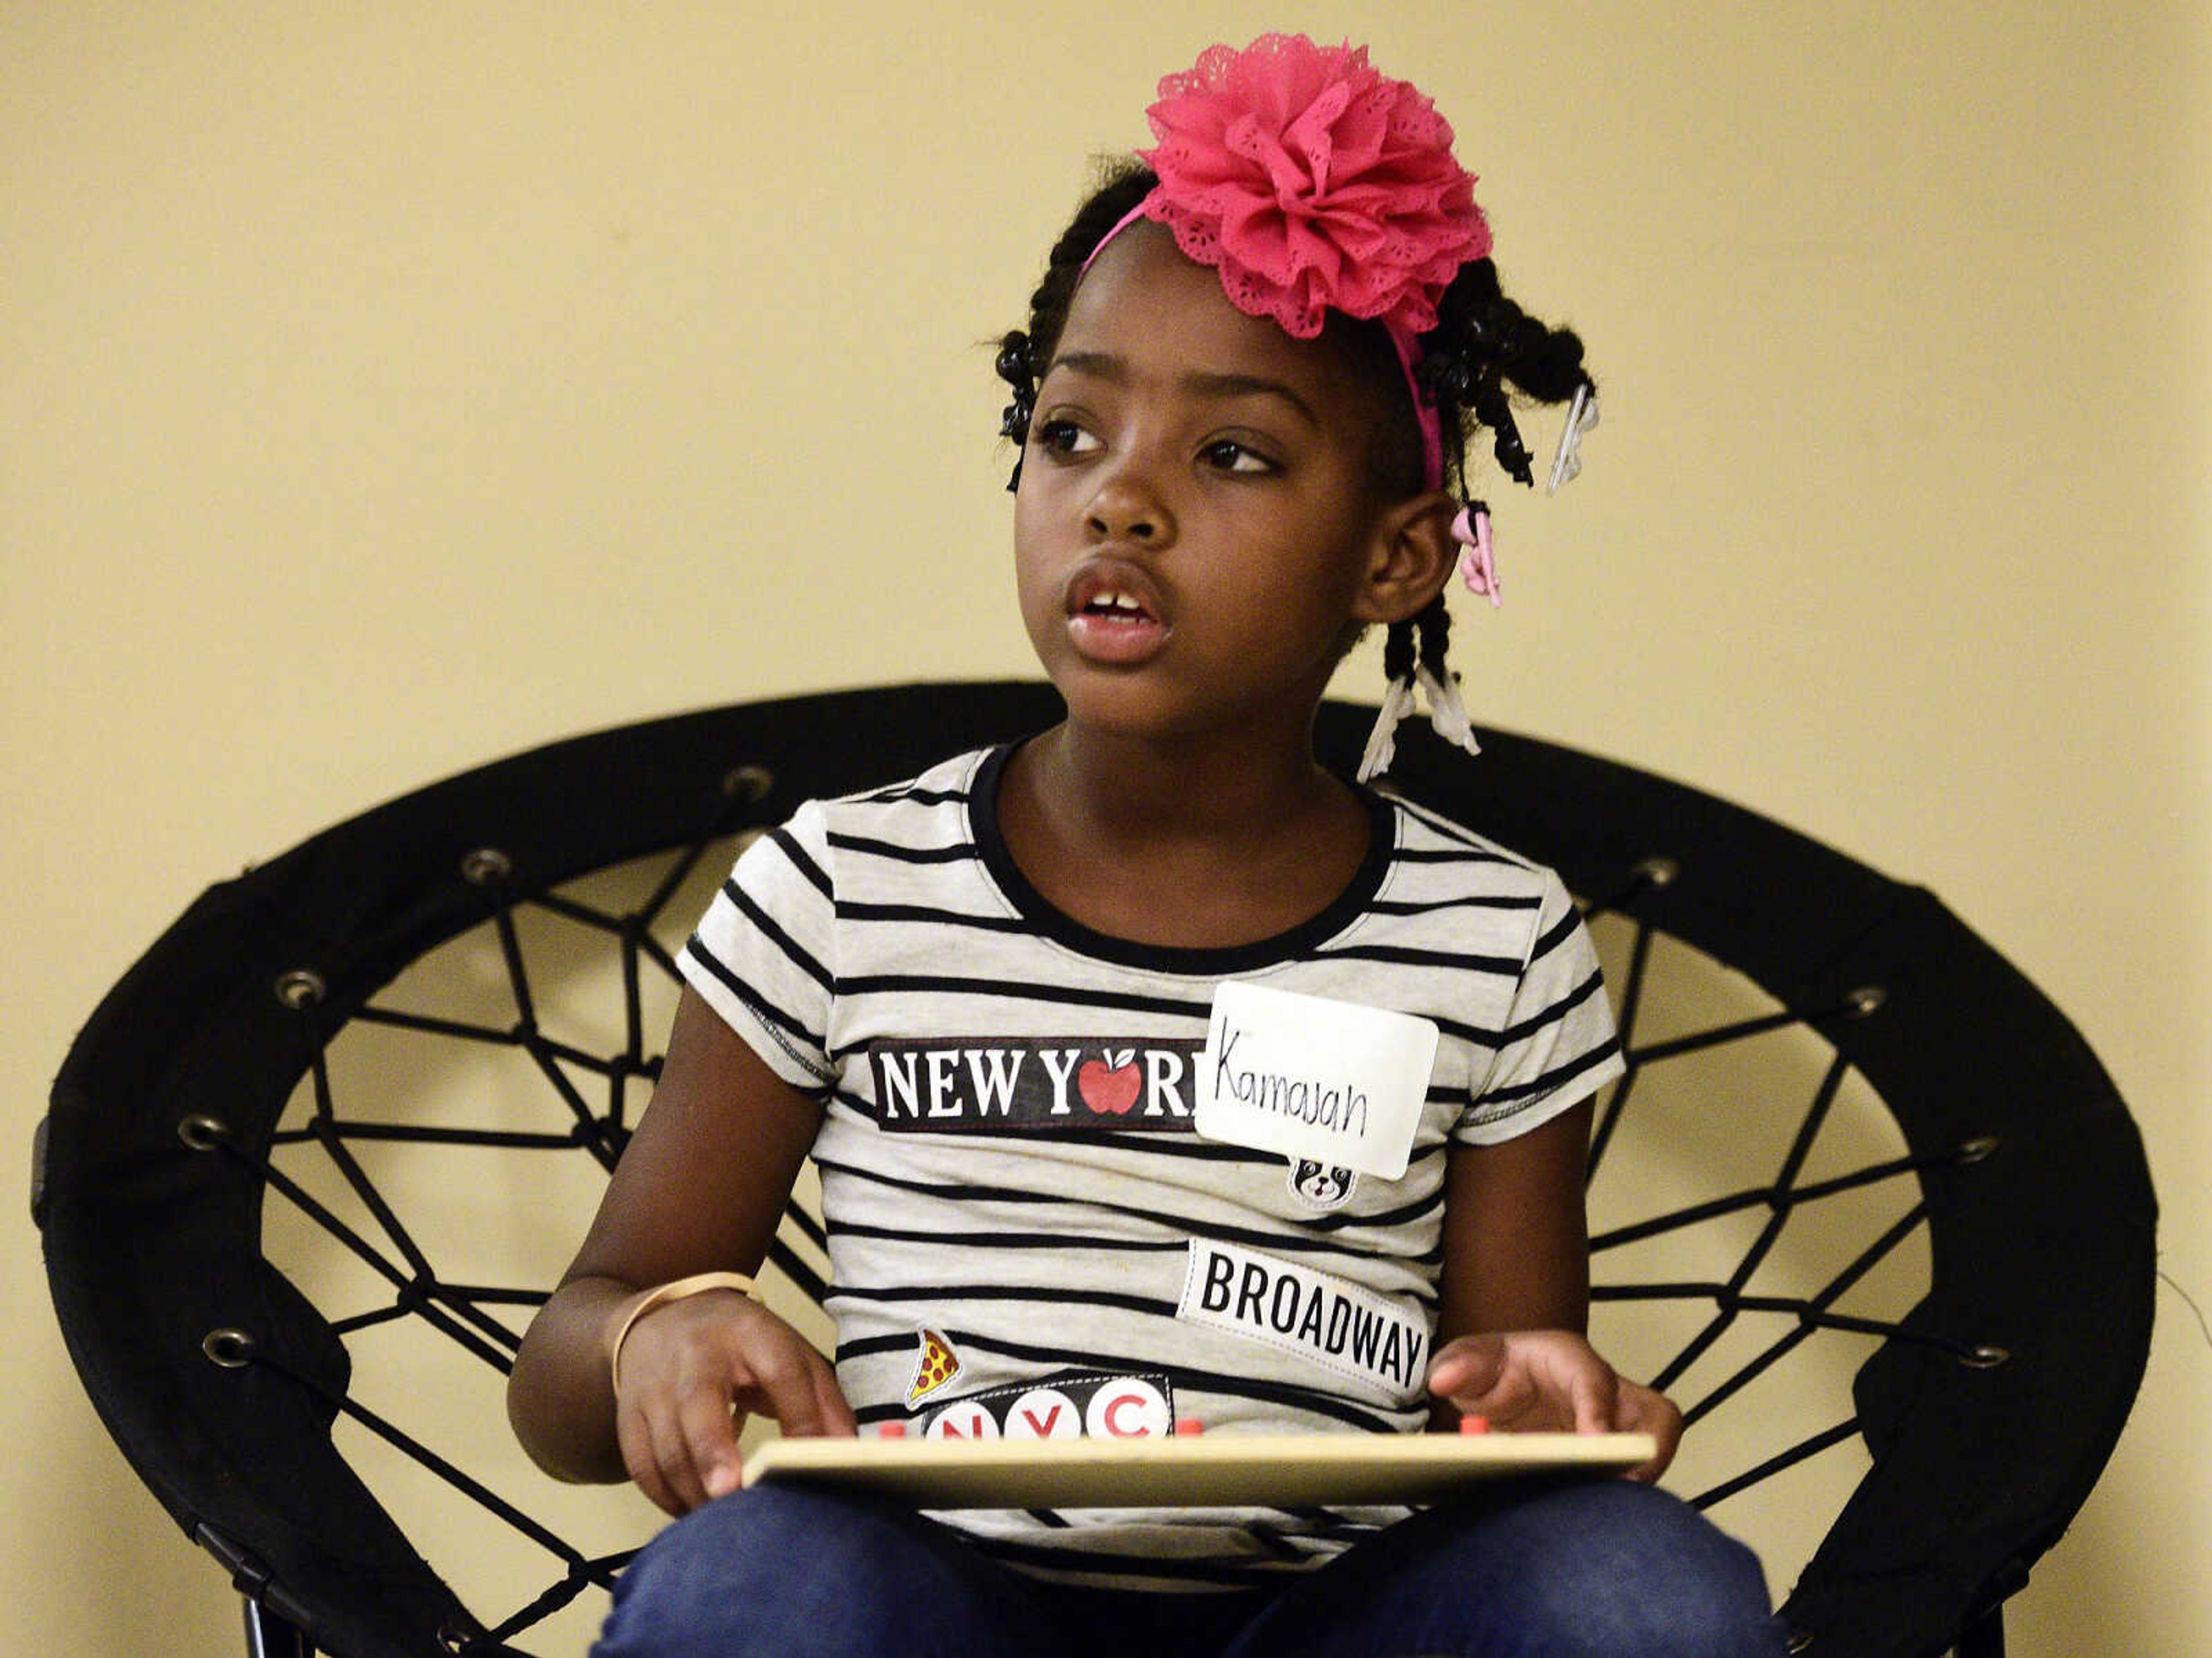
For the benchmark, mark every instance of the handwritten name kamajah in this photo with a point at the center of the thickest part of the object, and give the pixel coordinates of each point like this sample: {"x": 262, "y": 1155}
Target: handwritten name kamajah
{"x": 1319, "y": 1102}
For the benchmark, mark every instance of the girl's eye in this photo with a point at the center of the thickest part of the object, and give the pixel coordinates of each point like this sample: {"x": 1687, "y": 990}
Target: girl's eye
{"x": 1063, "y": 437}
{"x": 1228, "y": 455}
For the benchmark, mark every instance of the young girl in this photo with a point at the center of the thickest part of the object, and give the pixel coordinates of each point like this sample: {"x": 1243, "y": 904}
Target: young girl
{"x": 981, "y": 1000}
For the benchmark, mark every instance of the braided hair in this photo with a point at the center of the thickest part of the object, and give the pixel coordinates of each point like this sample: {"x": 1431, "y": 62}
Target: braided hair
{"x": 1483, "y": 350}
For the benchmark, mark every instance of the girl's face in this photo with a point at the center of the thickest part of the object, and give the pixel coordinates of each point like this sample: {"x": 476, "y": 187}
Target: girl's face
{"x": 1197, "y": 530}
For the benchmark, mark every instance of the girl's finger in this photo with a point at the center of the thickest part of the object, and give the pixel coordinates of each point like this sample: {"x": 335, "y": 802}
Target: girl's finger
{"x": 1644, "y": 1411}
{"x": 783, "y": 1385}
{"x": 672, "y": 1454}
{"x": 635, "y": 1435}
{"x": 1467, "y": 1368}
{"x": 1593, "y": 1392}
{"x": 710, "y": 1439}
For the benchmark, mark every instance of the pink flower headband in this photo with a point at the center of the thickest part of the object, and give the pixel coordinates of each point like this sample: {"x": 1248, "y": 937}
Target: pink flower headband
{"x": 1312, "y": 182}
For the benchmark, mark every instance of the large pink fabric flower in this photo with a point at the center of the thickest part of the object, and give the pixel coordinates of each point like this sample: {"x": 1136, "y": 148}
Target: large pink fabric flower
{"x": 1313, "y": 181}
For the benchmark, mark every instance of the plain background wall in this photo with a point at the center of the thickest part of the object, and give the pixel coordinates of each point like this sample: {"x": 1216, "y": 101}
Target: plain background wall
{"x": 383, "y": 388}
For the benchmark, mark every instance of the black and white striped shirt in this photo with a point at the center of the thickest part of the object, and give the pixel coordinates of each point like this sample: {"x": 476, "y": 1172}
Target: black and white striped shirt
{"x": 1027, "y": 1234}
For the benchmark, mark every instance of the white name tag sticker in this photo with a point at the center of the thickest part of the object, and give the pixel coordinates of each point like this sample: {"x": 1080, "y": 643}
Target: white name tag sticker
{"x": 1312, "y": 1078}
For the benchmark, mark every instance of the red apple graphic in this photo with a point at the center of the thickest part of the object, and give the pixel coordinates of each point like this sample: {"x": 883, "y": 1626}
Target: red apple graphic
{"x": 1110, "y": 1089}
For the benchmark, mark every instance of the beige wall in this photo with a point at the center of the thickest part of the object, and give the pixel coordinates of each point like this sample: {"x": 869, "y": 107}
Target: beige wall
{"x": 387, "y": 387}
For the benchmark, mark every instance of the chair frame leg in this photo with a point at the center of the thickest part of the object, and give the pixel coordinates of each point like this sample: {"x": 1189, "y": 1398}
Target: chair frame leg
{"x": 268, "y": 1636}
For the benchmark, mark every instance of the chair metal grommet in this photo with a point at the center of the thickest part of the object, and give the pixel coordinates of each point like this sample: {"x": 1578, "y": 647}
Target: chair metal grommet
{"x": 203, "y": 1132}
{"x": 748, "y": 783}
{"x": 1865, "y": 1000}
{"x": 1979, "y": 1149}
{"x": 232, "y": 1349}
{"x": 487, "y": 866}
{"x": 1987, "y": 1356}
{"x": 1658, "y": 873}
{"x": 300, "y": 989}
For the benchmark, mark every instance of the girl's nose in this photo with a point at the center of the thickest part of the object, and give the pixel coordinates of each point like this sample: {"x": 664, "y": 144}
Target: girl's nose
{"x": 1124, "y": 508}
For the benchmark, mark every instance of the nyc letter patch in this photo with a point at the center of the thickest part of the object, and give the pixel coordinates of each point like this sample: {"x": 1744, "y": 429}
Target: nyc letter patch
{"x": 1072, "y": 1405}
{"x": 999, "y": 1086}
{"x": 1336, "y": 1324}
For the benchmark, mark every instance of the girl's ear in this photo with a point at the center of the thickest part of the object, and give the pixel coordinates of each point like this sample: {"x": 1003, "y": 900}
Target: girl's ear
{"x": 1412, "y": 557}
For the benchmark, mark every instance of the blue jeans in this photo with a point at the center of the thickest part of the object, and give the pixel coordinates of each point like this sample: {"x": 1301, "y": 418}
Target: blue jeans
{"x": 1604, "y": 1567}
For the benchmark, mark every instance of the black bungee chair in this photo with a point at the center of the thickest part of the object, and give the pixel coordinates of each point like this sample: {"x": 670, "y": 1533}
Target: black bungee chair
{"x": 313, "y": 1161}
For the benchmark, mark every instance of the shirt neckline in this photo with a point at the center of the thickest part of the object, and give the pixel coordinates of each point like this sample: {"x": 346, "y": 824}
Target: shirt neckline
{"x": 1208, "y": 962}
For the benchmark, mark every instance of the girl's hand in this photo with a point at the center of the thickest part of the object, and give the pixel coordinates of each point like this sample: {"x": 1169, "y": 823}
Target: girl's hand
{"x": 692, "y": 1369}
{"x": 1554, "y": 1381}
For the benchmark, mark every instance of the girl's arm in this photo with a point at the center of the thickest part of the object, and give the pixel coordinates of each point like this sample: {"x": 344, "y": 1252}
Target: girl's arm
{"x": 702, "y": 1187}
{"x": 1515, "y": 1296}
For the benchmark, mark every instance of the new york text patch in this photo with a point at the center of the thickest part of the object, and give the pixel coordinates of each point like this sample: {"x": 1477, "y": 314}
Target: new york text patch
{"x": 988, "y": 1085}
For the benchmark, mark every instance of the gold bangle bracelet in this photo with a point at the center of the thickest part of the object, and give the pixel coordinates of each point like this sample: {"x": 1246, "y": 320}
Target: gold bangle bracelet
{"x": 675, "y": 1290}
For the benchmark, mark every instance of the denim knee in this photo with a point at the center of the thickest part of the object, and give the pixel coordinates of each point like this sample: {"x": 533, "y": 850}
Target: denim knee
{"x": 1615, "y": 1567}
{"x": 1602, "y": 1569}
{"x": 773, "y": 1572}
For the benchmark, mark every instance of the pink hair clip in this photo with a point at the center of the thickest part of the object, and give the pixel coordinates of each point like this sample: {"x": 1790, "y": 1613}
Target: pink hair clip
{"x": 1478, "y": 560}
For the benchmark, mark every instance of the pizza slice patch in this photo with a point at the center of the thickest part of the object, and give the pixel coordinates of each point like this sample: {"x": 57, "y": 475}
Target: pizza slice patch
{"x": 936, "y": 1366}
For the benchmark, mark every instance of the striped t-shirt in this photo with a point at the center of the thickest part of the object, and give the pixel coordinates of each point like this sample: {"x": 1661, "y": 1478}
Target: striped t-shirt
{"x": 1027, "y": 1235}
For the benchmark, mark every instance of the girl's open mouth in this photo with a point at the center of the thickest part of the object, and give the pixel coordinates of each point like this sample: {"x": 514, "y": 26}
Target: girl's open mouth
{"x": 1114, "y": 622}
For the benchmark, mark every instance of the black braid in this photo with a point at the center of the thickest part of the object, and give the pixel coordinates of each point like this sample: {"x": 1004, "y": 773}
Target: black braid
{"x": 1483, "y": 342}
{"x": 1487, "y": 398}
{"x": 1434, "y": 624}
{"x": 1420, "y": 638}
{"x": 1398, "y": 651}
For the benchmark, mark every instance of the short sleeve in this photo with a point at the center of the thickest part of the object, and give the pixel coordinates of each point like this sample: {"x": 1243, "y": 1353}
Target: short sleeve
{"x": 1559, "y": 1044}
{"x": 762, "y": 957}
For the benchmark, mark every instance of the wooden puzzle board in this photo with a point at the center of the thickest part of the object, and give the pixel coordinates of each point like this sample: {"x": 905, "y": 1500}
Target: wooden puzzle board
{"x": 1200, "y": 1471}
